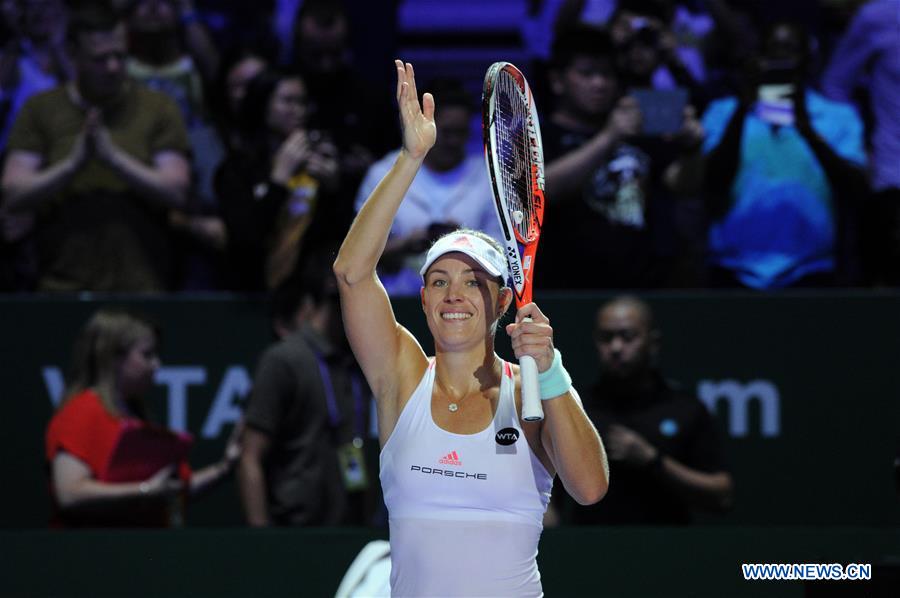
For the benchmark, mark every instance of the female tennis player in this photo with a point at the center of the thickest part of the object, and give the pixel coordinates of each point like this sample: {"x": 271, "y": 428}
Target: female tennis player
{"x": 465, "y": 480}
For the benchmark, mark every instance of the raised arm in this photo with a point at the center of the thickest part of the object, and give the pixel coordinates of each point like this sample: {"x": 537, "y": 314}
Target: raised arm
{"x": 385, "y": 350}
{"x": 567, "y": 435}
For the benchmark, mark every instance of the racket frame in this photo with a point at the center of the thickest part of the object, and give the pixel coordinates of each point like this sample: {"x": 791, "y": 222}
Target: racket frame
{"x": 520, "y": 250}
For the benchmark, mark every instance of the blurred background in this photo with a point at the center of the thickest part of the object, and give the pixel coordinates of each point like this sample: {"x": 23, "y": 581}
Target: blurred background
{"x": 732, "y": 164}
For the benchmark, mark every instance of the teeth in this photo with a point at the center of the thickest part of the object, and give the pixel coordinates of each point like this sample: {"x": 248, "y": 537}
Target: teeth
{"x": 456, "y": 316}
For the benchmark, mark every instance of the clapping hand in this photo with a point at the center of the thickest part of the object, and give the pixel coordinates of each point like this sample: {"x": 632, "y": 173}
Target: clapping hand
{"x": 417, "y": 121}
{"x": 94, "y": 140}
{"x": 292, "y": 154}
{"x": 626, "y": 446}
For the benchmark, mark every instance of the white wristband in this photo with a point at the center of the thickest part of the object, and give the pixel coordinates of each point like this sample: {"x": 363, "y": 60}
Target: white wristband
{"x": 556, "y": 380}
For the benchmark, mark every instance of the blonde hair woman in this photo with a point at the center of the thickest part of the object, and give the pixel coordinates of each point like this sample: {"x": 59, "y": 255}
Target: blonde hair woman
{"x": 465, "y": 480}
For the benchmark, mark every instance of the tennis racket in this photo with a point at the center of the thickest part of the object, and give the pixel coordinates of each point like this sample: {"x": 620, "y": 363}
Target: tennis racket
{"x": 515, "y": 162}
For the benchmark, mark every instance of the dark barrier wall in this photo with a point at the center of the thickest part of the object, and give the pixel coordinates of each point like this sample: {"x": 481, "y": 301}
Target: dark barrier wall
{"x": 700, "y": 561}
{"x": 805, "y": 389}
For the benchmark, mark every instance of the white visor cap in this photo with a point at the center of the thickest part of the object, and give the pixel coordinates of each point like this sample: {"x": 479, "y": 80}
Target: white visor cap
{"x": 493, "y": 262}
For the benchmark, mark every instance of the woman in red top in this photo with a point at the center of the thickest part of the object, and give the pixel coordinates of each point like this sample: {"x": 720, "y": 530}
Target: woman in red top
{"x": 115, "y": 359}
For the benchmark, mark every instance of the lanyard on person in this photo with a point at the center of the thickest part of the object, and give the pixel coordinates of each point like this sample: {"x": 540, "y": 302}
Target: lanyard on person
{"x": 334, "y": 412}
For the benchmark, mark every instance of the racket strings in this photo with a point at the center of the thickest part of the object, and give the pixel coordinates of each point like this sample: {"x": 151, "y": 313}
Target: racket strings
{"x": 511, "y": 113}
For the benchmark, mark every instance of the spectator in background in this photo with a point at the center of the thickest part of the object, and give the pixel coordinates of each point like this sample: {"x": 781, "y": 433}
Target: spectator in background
{"x": 452, "y": 190}
{"x": 275, "y": 183}
{"x": 238, "y": 68}
{"x": 603, "y": 182}
{"x": 868, "y": 56}
{"x": 361, "y": 130}
{"x": 33, "y": 58}
{"x": 782, "y": 174}
{"x": 115, "y": 359}
{"x": 171, "y": 52}
{"x": 664, "y": 453}
{"x": 648, "y": 50}
{"x": 100, "y": 162}
{"x": 307, "y": 419}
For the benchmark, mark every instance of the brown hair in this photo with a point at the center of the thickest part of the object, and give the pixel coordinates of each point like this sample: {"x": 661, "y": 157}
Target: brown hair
{"x": 105, "y": 339}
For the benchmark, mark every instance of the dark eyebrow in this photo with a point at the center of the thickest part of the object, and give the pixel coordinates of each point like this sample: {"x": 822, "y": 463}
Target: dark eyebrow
{"x": 466, "y": 271}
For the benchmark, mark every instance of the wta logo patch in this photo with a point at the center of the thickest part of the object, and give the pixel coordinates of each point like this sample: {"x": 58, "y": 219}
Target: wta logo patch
{"x": 507, "y": 436}
{"x": 450, "y": 458}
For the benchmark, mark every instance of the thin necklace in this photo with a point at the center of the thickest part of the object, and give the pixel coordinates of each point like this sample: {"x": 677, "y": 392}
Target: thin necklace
{"x": 453, "y": 406}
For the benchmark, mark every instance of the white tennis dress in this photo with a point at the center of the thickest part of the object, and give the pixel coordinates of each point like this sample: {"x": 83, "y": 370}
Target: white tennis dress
{"x": 465, "y": 509}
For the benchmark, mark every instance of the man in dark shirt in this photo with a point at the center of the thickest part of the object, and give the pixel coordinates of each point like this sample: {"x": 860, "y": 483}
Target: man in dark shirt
{"x": 99, "y": 163}
{"x": 307, "y": 417}
{"x": 663, "y": 449}
{"x": 604, "y": 181}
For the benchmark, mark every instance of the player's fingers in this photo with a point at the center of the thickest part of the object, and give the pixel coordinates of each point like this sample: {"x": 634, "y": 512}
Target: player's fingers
{"x": 411, "y": 79}
{"x": 401, "y": 77}
{"x": 428, "y": 106}
{"x": 531, "y": 310}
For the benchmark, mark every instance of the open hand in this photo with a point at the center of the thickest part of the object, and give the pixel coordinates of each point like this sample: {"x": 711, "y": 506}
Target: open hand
{"x": 417, "y": 121}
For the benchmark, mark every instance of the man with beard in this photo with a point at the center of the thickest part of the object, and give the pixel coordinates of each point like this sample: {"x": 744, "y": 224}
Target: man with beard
{"x": 663, "y": 450}
{"x": 99, "y": 162}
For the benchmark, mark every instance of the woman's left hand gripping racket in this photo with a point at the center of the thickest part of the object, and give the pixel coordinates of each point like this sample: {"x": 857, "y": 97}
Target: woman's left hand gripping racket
{"x": 515, "y": 161}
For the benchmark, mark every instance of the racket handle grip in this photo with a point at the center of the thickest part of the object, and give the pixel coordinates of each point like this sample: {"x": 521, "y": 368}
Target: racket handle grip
{"x": 532, "y": 410}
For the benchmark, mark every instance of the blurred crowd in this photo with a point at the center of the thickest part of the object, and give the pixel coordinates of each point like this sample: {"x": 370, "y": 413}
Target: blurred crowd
{"x": 190, "y": 145}
{"x": 178, "y": 145}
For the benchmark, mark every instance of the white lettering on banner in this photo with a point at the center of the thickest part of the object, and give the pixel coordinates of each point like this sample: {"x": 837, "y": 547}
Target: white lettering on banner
{"x": 225, "y": 408}
{"x": 738, "y": 397}
{"x": 235, "y": 385}
{"x": 178, "y": 379}
{"x": 53, "y": 380}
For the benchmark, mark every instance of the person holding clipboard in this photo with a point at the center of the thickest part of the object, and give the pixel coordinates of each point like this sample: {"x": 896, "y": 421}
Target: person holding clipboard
{"x": 108, "y": 465}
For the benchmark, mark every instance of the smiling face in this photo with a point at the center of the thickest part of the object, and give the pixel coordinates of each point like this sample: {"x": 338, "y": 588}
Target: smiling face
{"x": 462, "y": 302}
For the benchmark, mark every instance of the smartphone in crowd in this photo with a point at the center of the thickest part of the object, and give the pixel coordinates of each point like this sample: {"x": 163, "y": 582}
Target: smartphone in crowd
{"x": 662, "y": 109}
{"x": 774, "y": 103}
